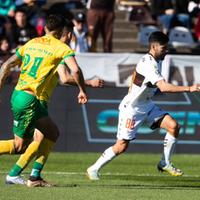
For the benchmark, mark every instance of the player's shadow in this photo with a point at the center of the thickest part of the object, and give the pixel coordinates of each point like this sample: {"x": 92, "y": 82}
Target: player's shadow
{"x": 132, "y": 186}
{"x": 134, "y": 182}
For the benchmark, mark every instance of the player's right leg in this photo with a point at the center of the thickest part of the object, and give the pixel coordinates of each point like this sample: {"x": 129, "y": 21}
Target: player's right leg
{"x": 16, "y": 145}
{"x": 20, "y": 145}
{"x": 119, "y": 147}
{"x": 7, "y": 147}
{"x": 14, "y": 176}
{"x": 25, "y": 108}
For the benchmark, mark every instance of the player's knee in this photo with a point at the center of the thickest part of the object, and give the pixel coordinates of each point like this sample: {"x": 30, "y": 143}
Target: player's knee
{"x": 20, "y": 145}
{"x": 122, "y": 149}
{"x": 19, "y": 148}
{"x": 175, "y": 127}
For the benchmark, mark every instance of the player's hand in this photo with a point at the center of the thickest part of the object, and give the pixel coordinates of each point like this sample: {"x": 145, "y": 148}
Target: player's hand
{"x": 82, "y": 97}
{"x": 195, "y": 88}
{"x": 97, "y": 82}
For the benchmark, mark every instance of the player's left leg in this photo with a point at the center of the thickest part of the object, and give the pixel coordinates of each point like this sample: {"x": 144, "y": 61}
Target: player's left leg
{"x": 41, "y": 158}
{"x": 172, "y": 128}
{"x": 128, "y": 123}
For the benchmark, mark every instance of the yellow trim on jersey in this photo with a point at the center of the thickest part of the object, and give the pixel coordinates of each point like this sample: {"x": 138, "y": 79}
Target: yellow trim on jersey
{"x": 40, "y": 58}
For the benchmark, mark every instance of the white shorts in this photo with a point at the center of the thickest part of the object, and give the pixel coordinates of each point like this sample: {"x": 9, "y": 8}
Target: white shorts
{"x": 131, "y": 120}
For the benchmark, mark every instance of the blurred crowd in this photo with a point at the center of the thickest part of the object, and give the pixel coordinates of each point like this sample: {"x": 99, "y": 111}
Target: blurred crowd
{"x": 166, "y": 14}
{"x": 21, "y": 20}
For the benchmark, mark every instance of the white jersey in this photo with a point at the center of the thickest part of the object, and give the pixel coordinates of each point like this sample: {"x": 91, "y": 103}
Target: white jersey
{"x": 143, "y": 85}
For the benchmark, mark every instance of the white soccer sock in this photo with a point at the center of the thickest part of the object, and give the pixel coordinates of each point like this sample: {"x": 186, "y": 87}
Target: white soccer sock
{"x": 169, "y": 144}
{"x": 106, "y": 157}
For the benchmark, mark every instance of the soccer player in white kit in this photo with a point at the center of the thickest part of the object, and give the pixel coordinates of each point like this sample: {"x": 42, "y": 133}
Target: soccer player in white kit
{"x": 137, "y": 108}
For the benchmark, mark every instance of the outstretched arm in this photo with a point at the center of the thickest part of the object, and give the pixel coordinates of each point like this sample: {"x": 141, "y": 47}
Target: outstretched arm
{"x": 5, "y": 68}
{"x": 168, "y": 87}
{"x": 95, "y": 82}
{"x": 67, "y": 78}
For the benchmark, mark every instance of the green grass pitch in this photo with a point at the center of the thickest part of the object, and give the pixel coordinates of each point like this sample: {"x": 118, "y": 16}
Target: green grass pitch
{"x": 129, "y": 176}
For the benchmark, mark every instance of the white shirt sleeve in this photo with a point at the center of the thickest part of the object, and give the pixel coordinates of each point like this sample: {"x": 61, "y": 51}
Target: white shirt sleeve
{"x": 152, "y": 72}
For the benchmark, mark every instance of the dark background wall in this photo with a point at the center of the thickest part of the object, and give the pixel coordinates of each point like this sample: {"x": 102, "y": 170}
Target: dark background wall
{"x": 92, "y": 127}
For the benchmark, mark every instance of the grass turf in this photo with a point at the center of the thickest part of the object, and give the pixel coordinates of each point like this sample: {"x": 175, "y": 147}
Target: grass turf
{"x": 130, "y": 176}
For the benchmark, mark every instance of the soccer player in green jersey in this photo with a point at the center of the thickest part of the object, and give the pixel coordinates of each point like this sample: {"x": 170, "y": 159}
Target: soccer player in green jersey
{"x": 34, "y": 131}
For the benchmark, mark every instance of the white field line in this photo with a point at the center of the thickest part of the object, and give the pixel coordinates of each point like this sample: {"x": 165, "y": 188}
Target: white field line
{"x": 110, "y": 174}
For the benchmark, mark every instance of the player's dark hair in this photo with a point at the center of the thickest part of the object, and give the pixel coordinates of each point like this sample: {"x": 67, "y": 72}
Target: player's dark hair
{"x": 69, "y": 25}
{"x": 55, "y": 22}
{"x": 158, "y": 37}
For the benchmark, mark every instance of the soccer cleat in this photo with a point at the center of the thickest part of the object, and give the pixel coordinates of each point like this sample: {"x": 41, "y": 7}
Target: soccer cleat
{"x": 17, "y": 180}
{"x": 170, "y": 169}
{"x": 92, "y": 174}
{"x": 39, "y": 183}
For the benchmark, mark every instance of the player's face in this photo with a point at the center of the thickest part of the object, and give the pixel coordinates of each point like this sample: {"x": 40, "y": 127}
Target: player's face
{"x": 161, "y": 51}
{"x": 66, "y": 36}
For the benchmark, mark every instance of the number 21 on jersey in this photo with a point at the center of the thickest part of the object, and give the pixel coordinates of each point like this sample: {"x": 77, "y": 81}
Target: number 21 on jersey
{"x": 34, "y": 68}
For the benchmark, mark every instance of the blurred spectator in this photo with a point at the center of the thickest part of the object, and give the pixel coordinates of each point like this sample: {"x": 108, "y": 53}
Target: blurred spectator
{"x": 38, "y": 2}
{"x": 2, "y": 27}
{"x": 163, "y": 11}
{"x": 7, "y": 8}
{"x": 22, "y": 30}
{"x": 7, "y": 12}
{"x": 5, "y": 53}
{"x": 140, "y": 14}
{"x": 170, "y": 13}
{"x": 81, "y": 41}
{"x": 35, "y": 14}
{"x": 4, "y": 49}
{"x": 100, "y": 19}
{"x": 194, "y": 8}
{"x": 4, "y": 45}
{"x": 182, "y": 16}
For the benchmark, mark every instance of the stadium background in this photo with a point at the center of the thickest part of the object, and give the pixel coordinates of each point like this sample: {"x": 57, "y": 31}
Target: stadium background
{"x": 93, "y": 127}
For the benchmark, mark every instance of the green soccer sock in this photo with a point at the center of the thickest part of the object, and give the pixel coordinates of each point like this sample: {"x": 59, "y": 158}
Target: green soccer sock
{"x": 24, "y": 159}
{"x": 37, "y": 168}
{"x": 16, "y": 170}
{"x": 41, "y": 157}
